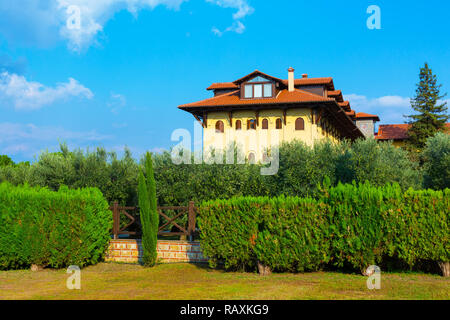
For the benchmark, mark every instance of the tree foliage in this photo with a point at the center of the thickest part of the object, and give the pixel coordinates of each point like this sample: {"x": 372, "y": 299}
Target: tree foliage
{"x": 431, "y": 114}
{"x": 301, "y": 168}
{"x": 437, "y": 162}
{"x": 5, "y": 161}
{"x": 148, "y": 212}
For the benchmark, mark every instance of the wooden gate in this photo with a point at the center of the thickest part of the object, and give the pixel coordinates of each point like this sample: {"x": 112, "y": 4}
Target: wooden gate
{"x": 173, "y": 220}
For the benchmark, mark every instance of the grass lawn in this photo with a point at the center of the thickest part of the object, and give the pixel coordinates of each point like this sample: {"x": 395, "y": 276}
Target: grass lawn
{"x": 187, "y": 281}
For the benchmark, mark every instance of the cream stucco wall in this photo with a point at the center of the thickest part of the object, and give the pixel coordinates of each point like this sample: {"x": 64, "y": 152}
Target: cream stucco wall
{"x": 256, "y": 141}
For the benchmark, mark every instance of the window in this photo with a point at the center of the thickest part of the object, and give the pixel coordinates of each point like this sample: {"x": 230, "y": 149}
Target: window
{"x": 278, "y": 124}
{"x": 265, "y": 124}
{"x": 219, "y": 127}
{"x": 251, "y": 158}
{"x": 258, "y": 87}
{"x": 259, "y": 79}
{"x": 268, "y": 90}
{"x": 251, "y": 124}
{"x": 257, "y": 91}
{"x": 238, "y": 125}
{"x": 248, "y": 91}
{"x": 299, "y": 124}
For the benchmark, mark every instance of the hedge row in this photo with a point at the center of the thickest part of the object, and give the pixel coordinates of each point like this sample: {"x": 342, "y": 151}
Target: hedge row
{"x": 349, "y": 225}
{"x": 48, "y": 228}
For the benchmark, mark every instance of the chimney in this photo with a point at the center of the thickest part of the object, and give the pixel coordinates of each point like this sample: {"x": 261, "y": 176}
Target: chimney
{"x": 291, "y": 79}
{"x": 305, "y": 75}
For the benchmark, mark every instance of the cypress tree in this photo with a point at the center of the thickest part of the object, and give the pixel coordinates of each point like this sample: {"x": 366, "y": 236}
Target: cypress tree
{"x": 148, "y": 212}
{"x": 431, "y": 115}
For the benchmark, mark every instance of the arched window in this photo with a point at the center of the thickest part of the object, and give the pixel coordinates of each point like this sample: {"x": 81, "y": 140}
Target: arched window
{"x": 265, "y": 124}
{"x": 251, "y": 124}
{"x": 219, "y": 127}
{"x": 278, "y": 124}
{"x": 299, "y": 124}
{"x": 238, "y": 125}
{"x": 251, "y": 158}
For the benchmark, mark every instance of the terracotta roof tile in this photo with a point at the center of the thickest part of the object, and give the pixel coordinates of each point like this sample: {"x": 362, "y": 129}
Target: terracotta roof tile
{"x": 392, "y": 132}
{"x": 351, "y": 113}
{"x": 297, "y": 82}
{"x": 398, "y": 131}
{"x": 362, "y": 115}
{"x": 233, "y": 99}
{"x": 223, "y": 85}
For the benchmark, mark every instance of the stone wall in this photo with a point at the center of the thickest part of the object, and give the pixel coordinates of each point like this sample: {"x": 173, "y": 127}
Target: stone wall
{"x": 127, "y": 250}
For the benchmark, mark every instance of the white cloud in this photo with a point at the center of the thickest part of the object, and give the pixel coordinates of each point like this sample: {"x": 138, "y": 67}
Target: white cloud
{"x": 237, "y": 27}
{"x": 95, "y": 14}
{"x": 80, "y": 21}
{"x": 242, "y": 6}
{"x": 244, "y": 10}
{"x": 116, "y": 102}
{"x": 29, "y": 139}
{"x": 390, "y": 109}
{"x": 31, "y": 95}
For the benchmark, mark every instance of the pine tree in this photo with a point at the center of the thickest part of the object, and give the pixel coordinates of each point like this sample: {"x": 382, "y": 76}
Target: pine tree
{"x": 431, "y": 115}
{"x": 148, "y": 212}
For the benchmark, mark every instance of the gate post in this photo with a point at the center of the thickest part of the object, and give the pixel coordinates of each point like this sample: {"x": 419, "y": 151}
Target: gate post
{"x": 191, "y": 220}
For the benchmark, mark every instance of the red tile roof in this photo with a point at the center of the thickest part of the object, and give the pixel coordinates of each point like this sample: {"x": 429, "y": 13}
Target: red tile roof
{"x": 397, "y": 131}
{"x": 362, "y": 115}
{"x": 312, "y": 81}
{"x": 233, "y": 99}
{"x": 345, "y": 105}
{"x": 392, "y": 132}
{"x": 337, "y": 94}
{"x": 297, "y": 82}
{"x": 254, "y": 74}
{"x": 223, "y": 85}
{"x": 351, "y": 113}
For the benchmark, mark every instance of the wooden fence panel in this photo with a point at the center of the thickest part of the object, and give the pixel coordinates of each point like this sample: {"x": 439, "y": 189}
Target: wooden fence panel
{"x": 190, "y": 211}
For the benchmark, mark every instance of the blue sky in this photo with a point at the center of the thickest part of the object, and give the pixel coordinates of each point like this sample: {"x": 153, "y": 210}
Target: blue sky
{"x": 118, "y": 79}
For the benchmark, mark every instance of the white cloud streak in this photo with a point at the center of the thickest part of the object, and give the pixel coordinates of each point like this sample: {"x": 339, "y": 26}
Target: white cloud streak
{"x": 80, "y": 21}
{"x": 29, "y": 139}
{"x": 390, "y": 109}
{"x": 244, "y": 10}
{"x": 117, "y": 101}
{"x": 31, "y": 95}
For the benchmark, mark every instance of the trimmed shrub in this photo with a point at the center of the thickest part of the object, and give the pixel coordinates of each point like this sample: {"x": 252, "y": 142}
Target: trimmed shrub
{"x": 55, "y": 229}
{"x": 284, "y": 233}
{"x": 418, "y": 227}
{"x": 356, "y": 223}
{"x": 351, "y": 226}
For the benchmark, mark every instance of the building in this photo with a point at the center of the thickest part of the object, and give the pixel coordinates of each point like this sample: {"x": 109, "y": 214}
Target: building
{"x": 397, "y": 133}
{"x": 366, "y": 123}
{"x": 259, "y": 111}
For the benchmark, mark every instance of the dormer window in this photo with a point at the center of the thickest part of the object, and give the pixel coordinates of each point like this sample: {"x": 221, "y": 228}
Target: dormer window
{"x": 258, "y": 88}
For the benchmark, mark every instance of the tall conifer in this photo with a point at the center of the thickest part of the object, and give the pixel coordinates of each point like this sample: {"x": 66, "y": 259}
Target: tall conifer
{"x": 148, "y": 212}
{"x": 431, "y": 114}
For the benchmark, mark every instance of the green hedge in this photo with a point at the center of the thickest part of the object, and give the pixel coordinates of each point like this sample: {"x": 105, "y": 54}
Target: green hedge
{"x": 348, "y": 226}
{"x": 284, "y": 233}
{"x": 55, "y": 229}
